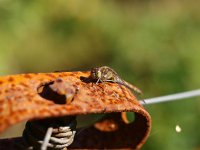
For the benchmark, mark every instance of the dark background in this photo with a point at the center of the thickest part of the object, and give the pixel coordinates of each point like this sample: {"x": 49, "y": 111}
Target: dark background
{"x": 152, "y": 44}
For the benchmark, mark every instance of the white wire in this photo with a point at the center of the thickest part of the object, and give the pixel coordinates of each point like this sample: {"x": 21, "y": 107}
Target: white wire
{"x": 47, "y": 138}
{"x": 171, "y": 97}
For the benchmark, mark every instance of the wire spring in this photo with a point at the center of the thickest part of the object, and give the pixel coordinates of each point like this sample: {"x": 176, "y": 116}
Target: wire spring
{"x": 61, "y": 133}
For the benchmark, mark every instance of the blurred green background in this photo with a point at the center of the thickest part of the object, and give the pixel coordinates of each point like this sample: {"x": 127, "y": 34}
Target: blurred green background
{"x": 152, "y": 44}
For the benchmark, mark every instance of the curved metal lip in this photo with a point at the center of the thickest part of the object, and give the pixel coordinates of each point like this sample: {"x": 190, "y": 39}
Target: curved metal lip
{"x": 19, "y": 98}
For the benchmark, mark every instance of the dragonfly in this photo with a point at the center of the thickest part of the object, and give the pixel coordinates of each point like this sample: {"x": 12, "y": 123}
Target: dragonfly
{"x": 107, "y": 74}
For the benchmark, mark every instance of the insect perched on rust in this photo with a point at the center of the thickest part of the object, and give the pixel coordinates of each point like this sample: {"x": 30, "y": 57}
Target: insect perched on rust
{"x": 106, "y": 74}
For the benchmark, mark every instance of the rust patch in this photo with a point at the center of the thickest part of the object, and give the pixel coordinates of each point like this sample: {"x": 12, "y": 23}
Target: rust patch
{"x": 21, "y": 101}
{"x": 108, "y": 125}
{"x": 24, "y": 84}
{"x": 27, "y": 76}
{"x": 10, "y": 79}
{"x": 50, "y": 75}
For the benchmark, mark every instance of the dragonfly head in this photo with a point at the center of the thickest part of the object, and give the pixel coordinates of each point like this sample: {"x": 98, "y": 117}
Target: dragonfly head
{"x": 96, "y": 74}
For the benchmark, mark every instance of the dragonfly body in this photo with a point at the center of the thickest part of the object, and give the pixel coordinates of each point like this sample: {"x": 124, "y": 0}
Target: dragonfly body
{"x": 106, "y": 74}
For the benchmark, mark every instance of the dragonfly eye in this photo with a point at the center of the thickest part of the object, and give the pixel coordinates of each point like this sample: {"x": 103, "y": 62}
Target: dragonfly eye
{"x": 93, "y": 74}
{"x": 99, "y": 74}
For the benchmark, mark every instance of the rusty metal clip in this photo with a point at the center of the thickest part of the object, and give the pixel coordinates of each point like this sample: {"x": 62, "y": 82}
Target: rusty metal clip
{"x": 26, "y": 97}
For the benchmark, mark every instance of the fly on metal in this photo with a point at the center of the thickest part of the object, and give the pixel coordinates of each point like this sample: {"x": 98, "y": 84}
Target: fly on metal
{"x": 106, "y": 74}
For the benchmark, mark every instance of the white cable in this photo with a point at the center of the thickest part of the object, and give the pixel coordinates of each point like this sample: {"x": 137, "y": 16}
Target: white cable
{"x": 171, "y": 97}
{"x": 47, "y": 138}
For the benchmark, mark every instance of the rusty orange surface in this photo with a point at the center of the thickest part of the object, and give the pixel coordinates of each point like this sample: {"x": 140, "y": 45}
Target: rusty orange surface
{"x": 19, "y": 101}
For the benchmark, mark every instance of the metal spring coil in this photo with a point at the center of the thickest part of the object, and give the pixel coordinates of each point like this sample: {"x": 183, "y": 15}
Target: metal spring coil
{"x": 64, "y": 130}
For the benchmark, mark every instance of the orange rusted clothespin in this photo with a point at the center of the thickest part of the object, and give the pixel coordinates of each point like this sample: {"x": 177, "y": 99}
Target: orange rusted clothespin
{"x": 45, "y": 95}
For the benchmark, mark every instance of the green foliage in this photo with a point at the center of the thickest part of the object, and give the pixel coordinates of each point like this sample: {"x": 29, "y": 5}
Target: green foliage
{"x": 152, "y": 44}
{"x": 130, "y": 116}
